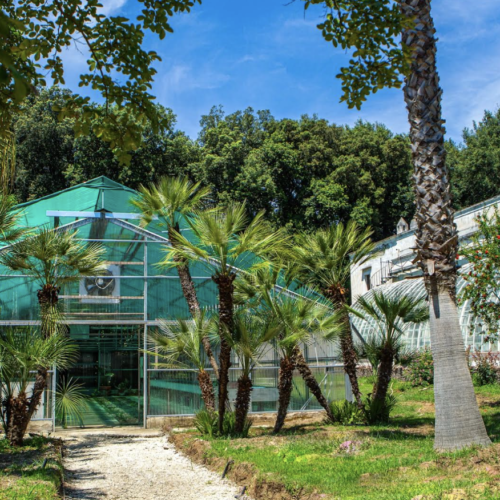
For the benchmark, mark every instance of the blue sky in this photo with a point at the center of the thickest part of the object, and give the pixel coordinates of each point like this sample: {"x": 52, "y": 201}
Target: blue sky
{"x": 268, "y": 55}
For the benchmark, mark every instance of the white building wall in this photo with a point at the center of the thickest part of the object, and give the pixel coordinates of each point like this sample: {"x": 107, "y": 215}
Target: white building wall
{"x": 393, "y": 256}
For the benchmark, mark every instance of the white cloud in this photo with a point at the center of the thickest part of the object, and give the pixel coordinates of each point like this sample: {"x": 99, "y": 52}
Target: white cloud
{"x": 183, "y": 78}
{"x": 111, "y": 6}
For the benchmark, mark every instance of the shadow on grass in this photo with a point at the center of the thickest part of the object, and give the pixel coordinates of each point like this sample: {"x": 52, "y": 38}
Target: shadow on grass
{"x": 395, "y": 435}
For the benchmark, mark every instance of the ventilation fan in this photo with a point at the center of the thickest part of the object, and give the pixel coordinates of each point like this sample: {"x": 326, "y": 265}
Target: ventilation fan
{"x": 105, "y": 288}
{"x": 102, "y": 286}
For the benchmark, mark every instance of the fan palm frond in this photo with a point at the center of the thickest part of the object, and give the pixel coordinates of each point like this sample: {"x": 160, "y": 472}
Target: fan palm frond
{"x": 226, "y": 237}
{"x": 180, "y": 343}
{"x": 169, "y": 200}
{"x": 54, "y": 257}
{"x": 324, "y": 258}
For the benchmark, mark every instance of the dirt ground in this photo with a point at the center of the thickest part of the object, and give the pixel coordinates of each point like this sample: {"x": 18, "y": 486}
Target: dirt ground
{"x": 137, "y": 468}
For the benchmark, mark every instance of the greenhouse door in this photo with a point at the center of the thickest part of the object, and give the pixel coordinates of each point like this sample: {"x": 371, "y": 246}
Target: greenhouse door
{"x": 108, "y": 371}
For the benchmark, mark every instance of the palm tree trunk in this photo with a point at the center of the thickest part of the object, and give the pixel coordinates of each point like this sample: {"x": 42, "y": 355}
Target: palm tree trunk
{"x": 189, "y": 292}
{"x": 384, "y": 374}
{"x": 226, "y": 312}
{"x": 458, "y": 421}
{"x": 207, "y": 390}
{"x": 21, "y": 409}
{"x": 242, "y": 402}
{"x": 285, "y": 385}
{"x": 48, "y": 298}
{"x": 337, "y": 295}
{"x": 311, "y": 382}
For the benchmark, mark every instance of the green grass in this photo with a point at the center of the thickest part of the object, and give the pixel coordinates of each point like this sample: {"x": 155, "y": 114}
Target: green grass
{"x": 31, "y": 472}
{"x": 393, "y": 462}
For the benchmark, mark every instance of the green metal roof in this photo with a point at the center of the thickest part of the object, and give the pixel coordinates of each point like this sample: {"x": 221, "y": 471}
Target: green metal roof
{"x": 95, "y": 195}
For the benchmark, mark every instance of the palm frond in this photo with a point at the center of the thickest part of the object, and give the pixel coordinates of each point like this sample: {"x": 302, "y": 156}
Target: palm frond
{"x": 54, "y": 257}
{"x": 169, "y": 200}
{"x": 324, "y": 258}
{"x": 180, "y": 344}
{"x": 389, "y": 313}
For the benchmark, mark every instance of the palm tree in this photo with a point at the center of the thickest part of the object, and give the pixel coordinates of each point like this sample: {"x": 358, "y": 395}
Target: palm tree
{"x": 171, "y": 200}
{"x": 259, "y": 289}
{"x": 225, "y": 240}
{"x": 181, "y": 344}
{"x": 52, "y": 259}
{"x": 250, "y": 339}
{"x": 323, "y": 260}
{"x": 298, "y": 320}
{"x": 23, "y": 352}
{"x": 389, "y": 314}
{"x": 458, "y": 421}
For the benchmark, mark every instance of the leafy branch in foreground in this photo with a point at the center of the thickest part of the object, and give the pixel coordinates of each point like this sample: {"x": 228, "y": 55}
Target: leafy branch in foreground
{"x": 34, "y": 35}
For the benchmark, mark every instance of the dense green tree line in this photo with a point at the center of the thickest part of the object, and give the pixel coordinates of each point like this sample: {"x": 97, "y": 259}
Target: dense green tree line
{"x": 305, "y": 173}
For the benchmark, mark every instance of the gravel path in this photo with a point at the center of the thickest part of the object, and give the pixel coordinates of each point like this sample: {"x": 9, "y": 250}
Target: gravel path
{"x": 137, "y": 468}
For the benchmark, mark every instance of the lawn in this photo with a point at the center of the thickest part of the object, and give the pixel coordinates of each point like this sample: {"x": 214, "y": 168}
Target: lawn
{"x": 31, "y": 472}
{"x": 392, "y": 462}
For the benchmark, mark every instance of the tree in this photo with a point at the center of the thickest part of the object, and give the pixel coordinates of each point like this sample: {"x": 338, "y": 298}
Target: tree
{"x": 323, "y": 260}
{"x": 23, "y": 352}
{"x": 225, "y": 240}
{"x": 389, "y": 314}
{"x": 250, "y": 340}
{"x": 33, "y": 31}
{"x": 257, "y": 290}
{"x": 298, "y": 319}
{"x": 171, "y": 200}
{"x": 52, "y": 259}
{"x": 307, "y": 173}
{"x": 482, "y": 288}
{"x": 390, "y": 40}
{"x": 50, "y": 158}
{"x": 182, "y": 342}
{"x": 475, "y": 164}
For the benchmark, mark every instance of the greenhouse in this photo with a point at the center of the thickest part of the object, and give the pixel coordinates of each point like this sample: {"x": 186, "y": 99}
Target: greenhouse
{"x": 417, "y": 336}
{"x": 109, "y": 316}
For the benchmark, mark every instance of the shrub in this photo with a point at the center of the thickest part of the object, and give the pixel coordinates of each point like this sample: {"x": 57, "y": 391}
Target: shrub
{"x": 419, "y": 370}
{"x": 345, "y": 413}
{"x": 230, "y": 423}
{"x": 377, "y": 412}
{"x": 206, "y": 423}
{"x": 484, "y": 367}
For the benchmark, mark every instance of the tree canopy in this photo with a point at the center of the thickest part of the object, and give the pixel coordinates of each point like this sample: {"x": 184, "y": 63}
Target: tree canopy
{"x": 305, "y": 173}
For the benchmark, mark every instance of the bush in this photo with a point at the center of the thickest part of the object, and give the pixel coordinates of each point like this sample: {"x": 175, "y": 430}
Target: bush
{"x": 230, "y": 423}
{"x": 377, "y": 412}
{"x": 345, "y": 413}
{"x": 206, "y": 424}
{"x": 484, "y": 367}
{"x": 419, "y": 367}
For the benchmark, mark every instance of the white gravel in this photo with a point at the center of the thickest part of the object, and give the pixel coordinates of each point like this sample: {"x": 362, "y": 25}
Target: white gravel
{"x": 137, "y": 468}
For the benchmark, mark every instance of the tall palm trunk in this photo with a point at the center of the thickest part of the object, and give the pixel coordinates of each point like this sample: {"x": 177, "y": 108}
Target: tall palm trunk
{"x": 189, "y": 292}
{"x": 226, "y": 313}
{"x": 337, "y": 295}
{"x": 20, "y": 409}
{"x": 458, "y": 421}
{"x": 311, "y": 382}
{"x": 207, "y": 390}
{"x": 384, "y": 374}
{"x": 242, "y": 402}
{"x": 285, "y": 385}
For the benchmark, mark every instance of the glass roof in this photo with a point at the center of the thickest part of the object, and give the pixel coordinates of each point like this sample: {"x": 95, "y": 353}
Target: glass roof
{"x": 417, "y": 336}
